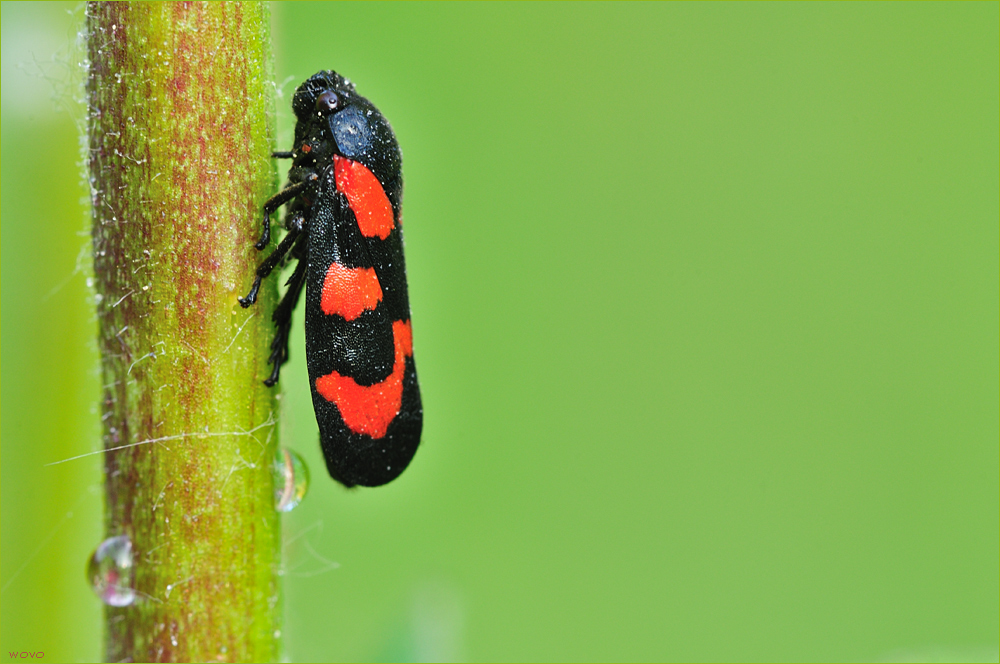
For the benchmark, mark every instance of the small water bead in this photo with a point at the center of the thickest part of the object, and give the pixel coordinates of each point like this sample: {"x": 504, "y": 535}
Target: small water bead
{"x": 291, "y": 480}
{"x": 110, "y": 571}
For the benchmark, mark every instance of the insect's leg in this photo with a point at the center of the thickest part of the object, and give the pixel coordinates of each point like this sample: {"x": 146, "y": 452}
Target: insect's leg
{"x": 283, "y": 155}
{"x": 268, "y": 265}
{"x": 296, "y": 221}
{"x": 283, "y": 321}
{"x": 276, "y": 201}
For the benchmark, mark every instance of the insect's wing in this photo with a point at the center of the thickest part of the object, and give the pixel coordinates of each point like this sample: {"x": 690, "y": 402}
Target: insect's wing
{"x": 359, "y": 347}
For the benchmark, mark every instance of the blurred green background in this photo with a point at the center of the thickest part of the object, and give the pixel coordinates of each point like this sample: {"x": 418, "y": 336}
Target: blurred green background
{"x": 705, "y": 303}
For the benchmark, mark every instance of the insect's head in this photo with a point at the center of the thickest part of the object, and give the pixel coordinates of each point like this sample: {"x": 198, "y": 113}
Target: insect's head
{"x": 324, "y": 93}
{"x": 333, "y": 119}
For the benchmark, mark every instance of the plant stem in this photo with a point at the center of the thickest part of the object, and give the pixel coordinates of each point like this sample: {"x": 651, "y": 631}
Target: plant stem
{"x": 180, "y": 131}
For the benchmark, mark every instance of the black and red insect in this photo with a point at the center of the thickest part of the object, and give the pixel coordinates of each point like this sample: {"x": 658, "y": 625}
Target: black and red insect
{"x": 343, "y": 201}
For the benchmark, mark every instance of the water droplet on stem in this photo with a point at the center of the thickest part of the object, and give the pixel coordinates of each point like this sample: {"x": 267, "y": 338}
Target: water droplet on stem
{"x": 291, "y": 480}
{"x": 110, "y": 571}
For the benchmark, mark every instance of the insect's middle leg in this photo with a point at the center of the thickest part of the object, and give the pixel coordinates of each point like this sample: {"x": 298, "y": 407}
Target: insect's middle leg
{"x": 269, "y": 264}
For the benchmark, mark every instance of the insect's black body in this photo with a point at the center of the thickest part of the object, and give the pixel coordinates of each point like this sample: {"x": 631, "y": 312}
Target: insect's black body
{"x": 343, "y": 198}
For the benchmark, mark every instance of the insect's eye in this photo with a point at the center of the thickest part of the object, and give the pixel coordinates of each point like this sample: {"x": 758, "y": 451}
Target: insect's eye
{"x": 327, "y": 102}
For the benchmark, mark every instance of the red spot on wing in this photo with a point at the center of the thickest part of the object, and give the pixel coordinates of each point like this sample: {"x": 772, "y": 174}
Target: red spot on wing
{"x": 348, "y": 292}
{"x": 371, "y": 409}
{"x": 365, "y": 194}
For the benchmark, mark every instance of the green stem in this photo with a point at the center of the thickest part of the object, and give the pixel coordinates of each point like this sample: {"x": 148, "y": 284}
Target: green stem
{"x": 181, "y": 122}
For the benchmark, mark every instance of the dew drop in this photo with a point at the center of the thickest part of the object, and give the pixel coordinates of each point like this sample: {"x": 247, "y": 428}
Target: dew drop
{"x": 291, "y": 480}
{"x": 110, "y": 572}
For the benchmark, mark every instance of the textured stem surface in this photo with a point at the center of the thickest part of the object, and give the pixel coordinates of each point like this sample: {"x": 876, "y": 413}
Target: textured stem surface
{"x": 180, "y": 127}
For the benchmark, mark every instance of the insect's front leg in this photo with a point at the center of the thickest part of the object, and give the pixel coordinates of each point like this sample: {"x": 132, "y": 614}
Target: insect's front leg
{"x": 279, "y": 199}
